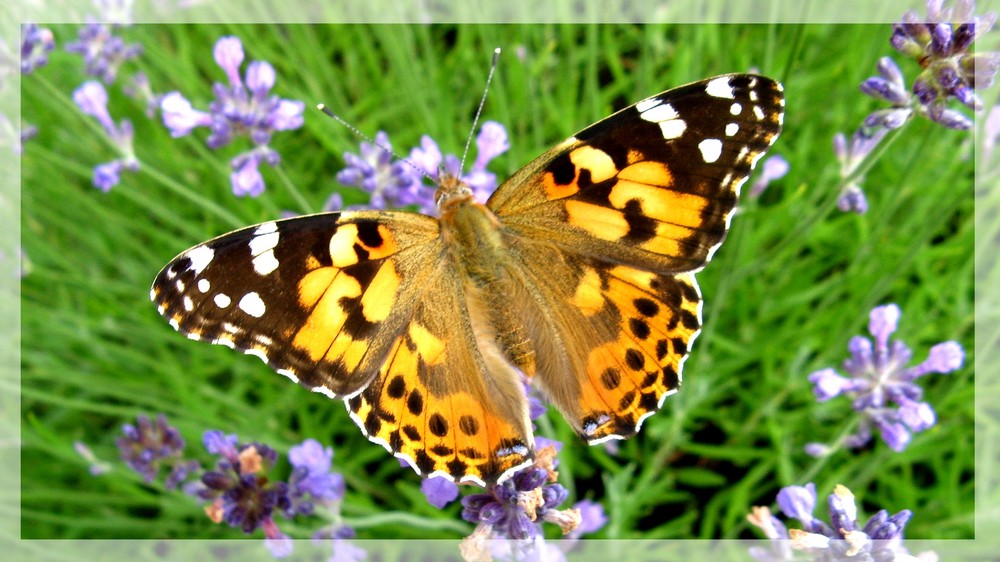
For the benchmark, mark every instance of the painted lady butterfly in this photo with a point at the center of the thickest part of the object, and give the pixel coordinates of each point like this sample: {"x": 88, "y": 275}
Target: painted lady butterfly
{"x": 578, "y": 271}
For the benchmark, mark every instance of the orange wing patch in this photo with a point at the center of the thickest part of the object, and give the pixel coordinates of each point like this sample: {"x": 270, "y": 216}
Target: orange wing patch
{"x": 628, "y": 378}
{"x": 436, "y": 403}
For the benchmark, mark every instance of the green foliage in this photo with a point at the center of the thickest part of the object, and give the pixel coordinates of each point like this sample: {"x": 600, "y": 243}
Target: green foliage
{"x": 793, "y": 283}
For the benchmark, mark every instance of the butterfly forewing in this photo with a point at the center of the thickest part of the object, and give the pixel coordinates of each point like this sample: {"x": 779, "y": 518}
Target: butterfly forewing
{"x": 319, "y": 298}
{"x": 653, "y": 185}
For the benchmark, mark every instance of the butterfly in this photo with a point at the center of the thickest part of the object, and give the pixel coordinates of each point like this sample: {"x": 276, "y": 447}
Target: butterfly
{"x": 578, "y": 273}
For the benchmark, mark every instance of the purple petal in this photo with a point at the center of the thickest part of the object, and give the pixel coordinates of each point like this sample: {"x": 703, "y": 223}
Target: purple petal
{"x": 93, "y": 100}
{"x": 949, "y": 118}
{"x": 228, "y": 54}
{"x": 218, "y": 443}
{"x": 918, "y": 416}
{"x": 852, "y": 199}
{"x": 774, "y": 168}
{"x": 180, "y": 117}
{"x": 346, "y": 551}
{"x": 828, "y": 383}
{"x": 840, "y": 146}
{"x": 247, "y": 180}
{"x": 592, "y": 517}
{"x": 312, "y": 456}
{"x": 798, "y": 502}
{"x": 427, "y": 157}
{"x": 945, "y": 358}
{"x": 439, "y": 491}
{"x": 883, "y": 321}
{"x": 107, "y": 175}
{"x": 890, "y": 71}
{"x": 491, "y": 142}
{"x": 260, "y": 78}
{"x": 895, "y": 434}
{"x": 287, "y": 115}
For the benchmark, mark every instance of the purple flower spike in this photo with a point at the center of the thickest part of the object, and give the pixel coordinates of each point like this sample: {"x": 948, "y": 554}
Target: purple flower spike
{"x": 941, "y": 44}
{"x": 36, "y": 44}
{"x": 103, "y": 52}
{"x": 878, "y": 378}
{"x": 844, "y": 538}
{"x": 92, "y": 99}
{"x": 241, "y": 108}
{"x": 146, "y": 445}
{"x": 515, "y": 508}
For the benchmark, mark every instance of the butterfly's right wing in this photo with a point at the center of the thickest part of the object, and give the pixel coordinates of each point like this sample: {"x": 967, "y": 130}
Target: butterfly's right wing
{"x": 365, "y": 306}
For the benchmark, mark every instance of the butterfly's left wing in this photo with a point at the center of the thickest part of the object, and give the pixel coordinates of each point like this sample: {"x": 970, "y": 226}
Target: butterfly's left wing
{"x": 608, "y": 229}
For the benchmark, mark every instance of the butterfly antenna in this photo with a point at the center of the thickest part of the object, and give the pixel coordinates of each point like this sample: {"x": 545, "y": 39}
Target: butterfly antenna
{"x": 374, "y": 142}
{"x": 479, "y": 110}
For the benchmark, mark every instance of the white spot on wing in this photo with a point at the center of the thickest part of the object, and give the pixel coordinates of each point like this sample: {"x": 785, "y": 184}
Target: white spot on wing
{"x": 204, "y": 285}
{"x": 222, "y": 300}
{"x": 673, "y": 129}
{"x": 252, "y": 305}
{"x": 262, "y": 248}
{"x": 659, "y": 113}
{"x": 647, "y": 104}
{"x": 732, "y": 129}
{"x": 710, "y": 149}
{"x": 720, "y": 88}
{"x": 758, "y": 113}
{"x": 200, "y": 257}
{"x": 265, "y": 263}
{"x": 735, "y": 109}
{"x": 188, "y": 303}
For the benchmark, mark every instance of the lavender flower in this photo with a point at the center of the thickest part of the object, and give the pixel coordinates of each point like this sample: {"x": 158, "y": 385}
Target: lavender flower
{"x": 592, "y": 518}
{"x": 398, "y": 183}
{"x": 843, "y": 539}
{"x": 774, "y": 168}
{"x": 103, "y": 52}
{"x": 240, "y": 492}
{"x": 311, "y": 481}
{"x": 490, "y": 143}
{"x": 146, "y": 447}
{"x": 92, "y": 99}
{"x": 943, "y": 51}
{"x": 515, "y": 508}
{"x": 879, "y": 377}
{"x": 949, "y": 69}
{"x": 36, "y": 43}
{"x": 374, "y": 171}
{"x": 851, "y": 156}
{"x": 243, "y": 108}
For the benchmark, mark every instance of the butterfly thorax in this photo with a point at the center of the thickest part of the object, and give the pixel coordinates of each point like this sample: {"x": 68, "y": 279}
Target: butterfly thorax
{"x": 471, "y": 233}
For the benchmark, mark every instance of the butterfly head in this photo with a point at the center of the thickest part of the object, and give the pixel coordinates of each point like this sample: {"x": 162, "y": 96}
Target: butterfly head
{"x": 451, "y": 191}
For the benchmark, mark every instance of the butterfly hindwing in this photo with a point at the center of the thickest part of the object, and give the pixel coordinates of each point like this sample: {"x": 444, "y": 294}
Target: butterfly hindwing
{"x": 443, "y": 398}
